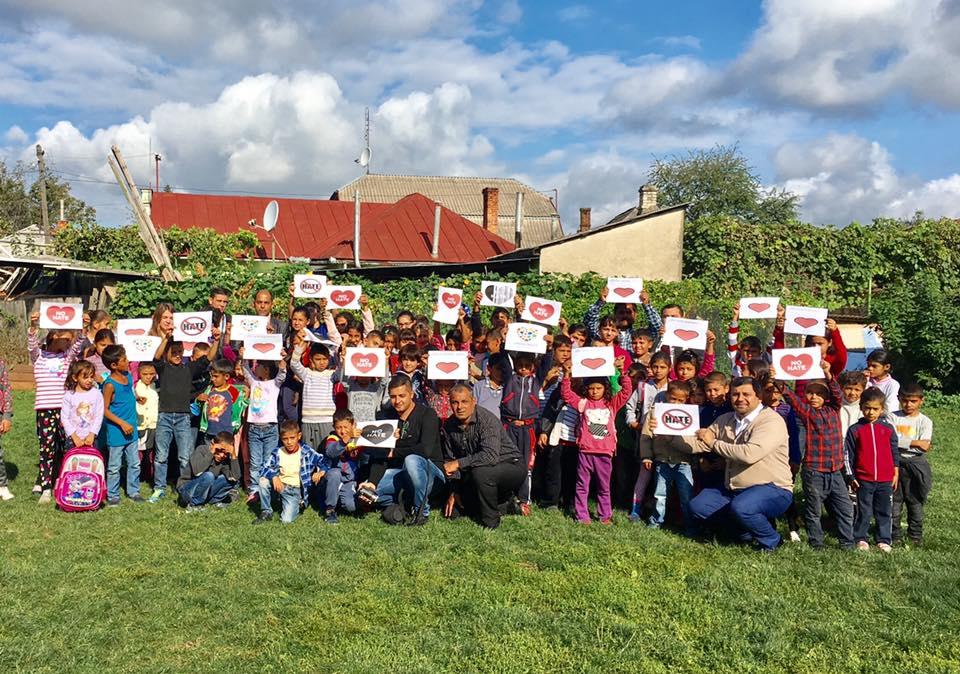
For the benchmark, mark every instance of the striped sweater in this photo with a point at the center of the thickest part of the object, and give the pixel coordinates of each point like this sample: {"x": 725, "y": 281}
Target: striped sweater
{"x": 50, "y": 371}
{"x": 317, "y": 402}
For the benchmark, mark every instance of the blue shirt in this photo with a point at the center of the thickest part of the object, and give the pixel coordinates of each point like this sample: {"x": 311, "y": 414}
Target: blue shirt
{"x": 124, "y": 406}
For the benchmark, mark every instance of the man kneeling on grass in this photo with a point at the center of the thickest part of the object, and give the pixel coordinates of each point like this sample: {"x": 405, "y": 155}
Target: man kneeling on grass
{"x": 291, "y": 473}
{"x": 213, "y": 472}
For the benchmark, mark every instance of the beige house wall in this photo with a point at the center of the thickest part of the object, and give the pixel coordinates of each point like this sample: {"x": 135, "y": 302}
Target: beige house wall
{"x": 651, "y": 248}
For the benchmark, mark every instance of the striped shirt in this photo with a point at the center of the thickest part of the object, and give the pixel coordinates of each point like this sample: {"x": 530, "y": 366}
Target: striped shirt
{"x": 317, "y": 401}
{"x": 50, "y": 372}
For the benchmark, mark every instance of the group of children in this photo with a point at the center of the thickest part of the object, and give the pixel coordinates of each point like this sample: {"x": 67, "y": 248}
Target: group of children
{"x": 287, "y": 431}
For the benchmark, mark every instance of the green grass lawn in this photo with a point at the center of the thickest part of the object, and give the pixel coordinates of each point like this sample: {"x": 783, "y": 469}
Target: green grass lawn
{"x": 149, "y": 588}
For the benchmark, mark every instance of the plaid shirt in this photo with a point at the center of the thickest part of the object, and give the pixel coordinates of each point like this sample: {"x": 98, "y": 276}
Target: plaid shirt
{"x": 310, "y": 461}
{"x": 592, "y": 320}
{"x": 824, "y": 451}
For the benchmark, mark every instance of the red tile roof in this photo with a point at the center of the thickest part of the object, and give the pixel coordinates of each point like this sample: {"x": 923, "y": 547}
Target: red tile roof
{"x": 320, "y": 229}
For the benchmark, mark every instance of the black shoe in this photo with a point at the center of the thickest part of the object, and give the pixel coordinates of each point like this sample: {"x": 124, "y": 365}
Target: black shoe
{"x": 136, "y": 498}
{"x": 263, "y": 517}
{"x": 916, "y": 542}
{"x": 418, "y": 521}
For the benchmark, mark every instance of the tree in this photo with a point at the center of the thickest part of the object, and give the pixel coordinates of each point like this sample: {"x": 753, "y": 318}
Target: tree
{"x": 720, "y": 182}
{"x": 14, "y": 201}
{"x": 75, "y": 211}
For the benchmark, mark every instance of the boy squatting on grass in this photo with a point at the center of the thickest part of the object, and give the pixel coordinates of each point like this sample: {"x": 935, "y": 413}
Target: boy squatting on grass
{"x": 556, "y": 421}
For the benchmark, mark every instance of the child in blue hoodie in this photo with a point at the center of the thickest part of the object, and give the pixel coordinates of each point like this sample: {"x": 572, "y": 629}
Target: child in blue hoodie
{"x": 519, "y": 412}
{"x": 343, "y": 456}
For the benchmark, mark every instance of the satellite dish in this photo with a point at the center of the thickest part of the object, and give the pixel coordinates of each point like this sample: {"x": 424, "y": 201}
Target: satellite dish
{"x": 270, "y": 215}
{"x": 364, "y": 159}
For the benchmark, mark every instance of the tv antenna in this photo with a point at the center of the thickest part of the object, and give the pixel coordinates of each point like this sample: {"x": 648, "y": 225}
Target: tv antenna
{"x": 364, "y": 158}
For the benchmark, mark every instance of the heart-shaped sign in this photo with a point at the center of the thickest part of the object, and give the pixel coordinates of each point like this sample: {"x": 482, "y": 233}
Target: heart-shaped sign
{"x": 623, "y": 291}
{"x": 342, "y": 297}
{"x": 758, "y": 306}
{"x": 60, "y": 315}
{"x": 377, "y": 434}
{"x": 447, "y": 367}
{"x": 364, "y": 362}
{"x": 593, "y": 363}
{"x": 450, "y": 299}
{"x": 134, "y": 332}
{"x": 264, "y": 347}
{"x": 490, "y": 291}
{"x": 805, "y": 321}
{"x": 686, "y": 335}
{"x": 541, "y": 311}
{"x": 796, "y": 365}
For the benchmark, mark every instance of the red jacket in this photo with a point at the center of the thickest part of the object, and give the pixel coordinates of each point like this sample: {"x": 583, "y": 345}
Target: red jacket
{"x": 870, "y": 452}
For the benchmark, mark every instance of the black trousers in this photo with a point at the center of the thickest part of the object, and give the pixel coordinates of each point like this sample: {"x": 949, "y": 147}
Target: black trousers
{"x": 913, "y": 488}
{"x": 487, "y": 491}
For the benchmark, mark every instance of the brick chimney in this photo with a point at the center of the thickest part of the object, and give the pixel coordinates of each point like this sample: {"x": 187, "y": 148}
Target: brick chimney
{"x": 648, "y": 198}
{"x": 491, "y": 209}
{"x": 584, "y": 219}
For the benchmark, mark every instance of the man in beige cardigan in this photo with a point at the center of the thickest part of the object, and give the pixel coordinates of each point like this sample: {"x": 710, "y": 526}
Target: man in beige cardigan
{"x": 757, "y": 486}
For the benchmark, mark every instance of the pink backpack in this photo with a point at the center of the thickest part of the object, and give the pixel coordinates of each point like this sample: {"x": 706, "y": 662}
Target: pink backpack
{"x": 81, "y": 485}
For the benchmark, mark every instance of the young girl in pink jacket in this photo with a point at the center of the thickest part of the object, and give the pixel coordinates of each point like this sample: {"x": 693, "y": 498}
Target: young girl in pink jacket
{"x": 596, "y": 438}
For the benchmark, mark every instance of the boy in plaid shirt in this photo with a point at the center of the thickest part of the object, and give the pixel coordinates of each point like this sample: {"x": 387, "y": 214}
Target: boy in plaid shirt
{"x": 823, "y": 461}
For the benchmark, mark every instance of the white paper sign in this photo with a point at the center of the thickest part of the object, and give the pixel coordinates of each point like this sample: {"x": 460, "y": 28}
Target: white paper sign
{"x": 364, "y": 362}
{"x": 758, "y": 307}
{"x": 140, "y": 348}
{"x": 263, "y": 347}
{"x": 132, "y": 327}
{"x": 624, "y": 290}
{"x": 343, "y": 297}
{"x": 793, "y": 364}
{"x": 447, "y": 365}
{"x": 685, "y": 333}
{"x": 497, "y": 294}
{"x": 805, "y": 321}
{"x": 378, "y": 433}
{"x": 61, "y": 316}
{"x": 243, "y": 326}
{"x": 676, "y": 419}
{"x": 191, "y": 327}
{"x": 593, "y": 361}
{"x": 540, "y": 310}
{"x": 527, "y": 337}
{"x": 448, "y": 305}
{"x": 309, "y": 285}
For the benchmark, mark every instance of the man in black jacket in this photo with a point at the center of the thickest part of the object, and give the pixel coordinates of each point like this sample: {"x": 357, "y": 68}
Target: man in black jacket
{"x": 483, "y": 463}
{"x": 414, "y": 464}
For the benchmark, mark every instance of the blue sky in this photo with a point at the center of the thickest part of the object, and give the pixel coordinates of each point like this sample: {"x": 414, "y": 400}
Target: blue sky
{"x": 850, "y": 104}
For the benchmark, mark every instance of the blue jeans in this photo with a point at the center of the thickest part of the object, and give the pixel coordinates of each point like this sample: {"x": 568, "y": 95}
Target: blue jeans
{"x": 875, "y": 499}
{"x": 289, "y": 500}
{"x": 205, "y": 488}
{"x": 172, "y": 426}
{"x": 117, "y": 455}
{"x": 261, "y": 440}
{"x": 681, "y": 475}
{"x": 418, "y": 474}
{"x": 336, "y": 490}
{"x": 753, "y": 508}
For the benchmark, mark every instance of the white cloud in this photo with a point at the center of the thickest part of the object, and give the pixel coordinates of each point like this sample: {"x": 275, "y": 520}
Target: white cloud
{"x": 510, "y": 11}
{"x": 16, "y": 136}
{"x": 574, "y": 13}
{"x": 843, "y": 178}
{"x": 679, "y": 41}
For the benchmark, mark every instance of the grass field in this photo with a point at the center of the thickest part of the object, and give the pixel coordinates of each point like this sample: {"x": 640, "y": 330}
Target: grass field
{"x": 149, "y": 588}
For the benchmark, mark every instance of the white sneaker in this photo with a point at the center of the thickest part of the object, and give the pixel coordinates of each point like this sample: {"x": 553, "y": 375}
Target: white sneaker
{"x": 794, "y": 537}
{"x": 36, "y": 489}
{"x": 45, "y": 497}
{"x": 863, "y": 546}
{"x": 5, "y": 493}
{"x": 884, "y": 547}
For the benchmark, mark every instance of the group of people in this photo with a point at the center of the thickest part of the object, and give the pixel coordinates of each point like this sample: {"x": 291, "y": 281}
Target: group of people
{"x": 521, "y": 430}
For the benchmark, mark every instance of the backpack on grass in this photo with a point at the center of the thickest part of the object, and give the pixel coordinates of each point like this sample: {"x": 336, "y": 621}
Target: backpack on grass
{"x": 81, "y": 484}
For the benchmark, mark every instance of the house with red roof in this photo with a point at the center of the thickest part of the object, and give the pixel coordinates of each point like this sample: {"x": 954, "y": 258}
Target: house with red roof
{"x": 322, "y": 230}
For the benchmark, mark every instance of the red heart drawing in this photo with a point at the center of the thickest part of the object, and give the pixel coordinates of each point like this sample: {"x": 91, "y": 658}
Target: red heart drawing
{"x": 805, "y": 322}
{"x": 264, "y": 347}
{"x": 342, "y": 297}
{"x": 447, "y": 367}
{"x": 686, "y": 335}
{"x": 796, "y": 365}
{"x": 188, "y": 346}
{"x": 758, "y": 306}
{"x": 135, "y": 332}
{"x": 540, "y": 310}
{"x": 450, "y": 299}
{"x": 623, "y": 291}
{"x": 593, "y": 363}
{"x": 61, "y": 315}
{"x": 364, "y": 362}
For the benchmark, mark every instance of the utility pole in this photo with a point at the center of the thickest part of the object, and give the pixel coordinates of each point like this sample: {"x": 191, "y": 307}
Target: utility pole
{"x": 148, "y": 232}
{"x": 44, "y": 215}
{"x": 156, "y": 159}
